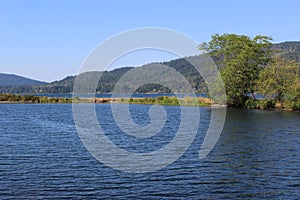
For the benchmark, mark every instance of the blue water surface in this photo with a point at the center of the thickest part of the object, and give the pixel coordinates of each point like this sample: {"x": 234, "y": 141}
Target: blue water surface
{"x": 42, "y": 156}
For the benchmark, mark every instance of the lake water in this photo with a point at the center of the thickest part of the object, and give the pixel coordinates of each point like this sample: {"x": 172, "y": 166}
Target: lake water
{"x": 42, "y": 156}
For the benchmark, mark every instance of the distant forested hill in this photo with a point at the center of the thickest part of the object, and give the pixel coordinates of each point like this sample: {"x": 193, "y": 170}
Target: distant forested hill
{"x": 288, "y": 50}
{"x": 109, "y": 79}
{"x": 15, "y": 84}
{"x": 14, "y": 80}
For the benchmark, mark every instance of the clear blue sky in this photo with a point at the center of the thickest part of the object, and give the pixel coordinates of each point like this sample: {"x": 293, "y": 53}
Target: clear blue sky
{"x": 49, "y": 39}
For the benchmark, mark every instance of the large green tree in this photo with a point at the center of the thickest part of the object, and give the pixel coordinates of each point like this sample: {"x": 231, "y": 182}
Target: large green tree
{"x": 240, "y": 59}
{"x": 281, "y": 80}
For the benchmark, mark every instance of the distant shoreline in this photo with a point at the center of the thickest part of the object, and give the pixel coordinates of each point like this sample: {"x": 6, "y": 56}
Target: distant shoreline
{"x": 161, "y": 100}
{"x": 262, "y": 104}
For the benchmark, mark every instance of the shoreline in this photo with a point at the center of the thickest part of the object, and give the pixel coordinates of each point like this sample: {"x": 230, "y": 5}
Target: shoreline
{"x": 160, "y": 100}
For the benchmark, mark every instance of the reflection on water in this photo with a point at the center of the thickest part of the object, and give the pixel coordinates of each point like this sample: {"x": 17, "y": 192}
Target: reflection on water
{"x": 41, "y": 156}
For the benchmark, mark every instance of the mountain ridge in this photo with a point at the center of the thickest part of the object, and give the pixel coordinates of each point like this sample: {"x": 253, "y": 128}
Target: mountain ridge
{"x": 289, "y": 50}
{"x": 16, "y": 80}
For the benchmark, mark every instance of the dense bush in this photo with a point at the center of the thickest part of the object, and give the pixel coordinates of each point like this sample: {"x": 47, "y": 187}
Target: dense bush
{"x": 264, "y": 104}
{"x": 296, "y": 106}
{"x": 251, "y": 104}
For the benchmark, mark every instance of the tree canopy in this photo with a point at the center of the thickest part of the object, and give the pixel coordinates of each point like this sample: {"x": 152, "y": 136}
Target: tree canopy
{"x": 240, "y": 59}
{"x": 281, "y": 79}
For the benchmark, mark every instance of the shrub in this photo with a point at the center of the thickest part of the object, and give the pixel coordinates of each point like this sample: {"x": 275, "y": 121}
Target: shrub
{"x": 266, "y": 104}
{"x": 251, "y": 104}
{"x": 296, "y": 106}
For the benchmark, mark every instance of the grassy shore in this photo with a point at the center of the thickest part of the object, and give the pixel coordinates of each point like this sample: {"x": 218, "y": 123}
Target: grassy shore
{"x": 15, "y": 98}
{"x": 168, "y": 100}
{"x": 163, "y": 100}
{"x": 263, "y": 104}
